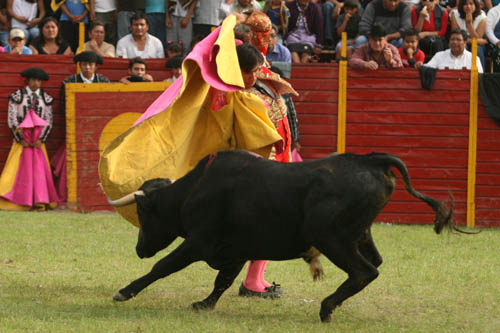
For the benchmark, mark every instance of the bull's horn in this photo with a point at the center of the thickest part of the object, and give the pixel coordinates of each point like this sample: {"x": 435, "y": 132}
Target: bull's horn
{"x": 126, "y": 200}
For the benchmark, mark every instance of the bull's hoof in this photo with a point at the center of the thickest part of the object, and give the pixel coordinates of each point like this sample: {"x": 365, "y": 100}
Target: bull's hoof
{"x": 119, "y": 297}
{"x": 198, "y": 306}
{"x": 325, "y": 317}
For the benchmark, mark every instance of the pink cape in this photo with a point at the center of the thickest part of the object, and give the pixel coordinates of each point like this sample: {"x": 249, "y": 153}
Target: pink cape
{"x": 33, "y": 183}
{"x": 203, "y": 54}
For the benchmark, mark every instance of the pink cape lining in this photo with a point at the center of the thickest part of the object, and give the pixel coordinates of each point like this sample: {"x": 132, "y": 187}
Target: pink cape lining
{"x": 33, "y": 183}
{"x": 203, "y": 54}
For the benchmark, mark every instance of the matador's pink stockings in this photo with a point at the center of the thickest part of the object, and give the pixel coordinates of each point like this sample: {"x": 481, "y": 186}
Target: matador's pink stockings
{"x": 254, "y": 279}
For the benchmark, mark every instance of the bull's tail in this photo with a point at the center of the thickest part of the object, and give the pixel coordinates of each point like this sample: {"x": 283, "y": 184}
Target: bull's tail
{"x": 444, "y": 214}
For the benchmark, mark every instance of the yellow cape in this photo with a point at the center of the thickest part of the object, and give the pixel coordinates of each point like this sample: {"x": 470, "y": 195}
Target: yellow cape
{"x": 170, "y": 143}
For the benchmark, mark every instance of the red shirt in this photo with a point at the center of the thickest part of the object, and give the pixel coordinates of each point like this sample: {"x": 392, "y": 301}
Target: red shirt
{"x": 429, "y": 25}
{"x": 419, "y": 56}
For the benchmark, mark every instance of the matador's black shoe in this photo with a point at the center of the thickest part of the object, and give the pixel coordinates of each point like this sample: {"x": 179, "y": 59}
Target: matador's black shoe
{"x": 271, "y": 292}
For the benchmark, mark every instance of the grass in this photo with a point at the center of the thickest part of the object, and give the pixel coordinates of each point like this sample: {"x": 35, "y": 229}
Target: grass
{"x": 59, "y": 271}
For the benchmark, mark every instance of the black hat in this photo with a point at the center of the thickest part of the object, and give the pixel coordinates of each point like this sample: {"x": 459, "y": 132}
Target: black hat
{"x": 136, "y": 78}
{"x": 88, "y": 56}
{"x": 377, "y": 31}
{"x": 174, "y": 62}
{"x": 36, "y": 73}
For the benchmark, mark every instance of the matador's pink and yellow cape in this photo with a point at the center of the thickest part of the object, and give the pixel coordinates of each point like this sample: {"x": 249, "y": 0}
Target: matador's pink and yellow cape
{"x": 204, "y": 111}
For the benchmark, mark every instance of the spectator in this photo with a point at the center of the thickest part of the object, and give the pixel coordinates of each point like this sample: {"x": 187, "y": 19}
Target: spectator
{"x": 243, "y": 33}
{"x": 127, "y": 9}
{"x": 17, "y": 43}
{"x": 88, "y": 61}
{"x": 488, "y": 4}
{"x": 331, "y": 10}
{"x": 241, "y": 6}
{"x": 4, "y": 23}
{"x": 411, "y": 55}
{"x": 377, "y": 52}
{"x": 206, "y": 17}
{"x": 50, "y": 40}
{"x": 26, "y": 181}
{"x": 137, "y": 72}
{"x": 23, "y": 15}
{"x": 180, "y": 25}
{"x": 96, "y": 43}
{"x": 469, "y": 17}
{"x": 156, "y": 15}
{"x": 305, "y": 30}
{"x": 175, "y": 65}
{"x": 493, "y": 26}
{"x": 174, "y": 49}
{"x": 456, "y": 57}
{"x": 105, "y": 11}
{"x": 139, "y": 43}
{"x": 393, "y": 15}
{"x": 276, "y": 51}
{"x": 431, "y": 22}
{"x": 73, "y": 12}
{"x": 348, "y": 22}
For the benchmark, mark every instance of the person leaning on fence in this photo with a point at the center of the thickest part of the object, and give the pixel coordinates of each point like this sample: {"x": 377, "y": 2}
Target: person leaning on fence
{"x": 96, "y": 43}
{"x": 137, "y": 72}
{"x": 377, "y": 52}
{"x": 411, "y": 55}
{"x": 139, "y": 43}
{"x": 26, "y": 181}
{"x": 17, "y": 43}
{"x": 431, "y": 22}
{"x": 456, "y": 57}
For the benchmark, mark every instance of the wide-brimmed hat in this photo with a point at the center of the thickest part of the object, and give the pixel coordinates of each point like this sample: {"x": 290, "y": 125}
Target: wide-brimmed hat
{"x": 36, "y": 73}
{"x": 88, "y": 56}
{"x": 377, "y": 31}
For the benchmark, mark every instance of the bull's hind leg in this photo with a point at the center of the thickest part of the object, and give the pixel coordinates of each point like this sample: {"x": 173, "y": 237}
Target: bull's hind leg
{"x": 184, "y": 255}
{"x": 223, "y": 281}
{"x": 368, "y": 249}
{"x": 360, "y": 273}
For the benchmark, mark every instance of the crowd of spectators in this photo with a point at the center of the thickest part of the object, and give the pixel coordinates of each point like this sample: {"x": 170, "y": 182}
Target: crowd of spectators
{"x": 304, "y": 29}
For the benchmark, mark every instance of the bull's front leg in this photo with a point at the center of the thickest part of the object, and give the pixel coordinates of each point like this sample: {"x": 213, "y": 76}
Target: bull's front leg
{"x": 223, "y": 281}
{"x": 178, "y": 259}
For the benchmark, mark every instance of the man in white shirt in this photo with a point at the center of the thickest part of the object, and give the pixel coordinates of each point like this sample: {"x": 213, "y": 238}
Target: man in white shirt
{"x": 456, "y": 57}
{"x": 139, "y": 43}
{"x": 493, "y": 25}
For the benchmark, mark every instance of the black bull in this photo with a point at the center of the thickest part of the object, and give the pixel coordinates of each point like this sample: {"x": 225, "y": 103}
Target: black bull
{"x": 234, "y": 207}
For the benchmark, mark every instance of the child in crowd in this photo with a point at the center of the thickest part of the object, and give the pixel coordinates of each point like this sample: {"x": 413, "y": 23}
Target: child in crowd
{"x": 348, "y": 22}
{"x": 17, "y": 43}
{"x": 410, "y": 54}
{"x": 174, "y": 49}
{"x": 179, "y": 23}
{"x": 175, "y": 65}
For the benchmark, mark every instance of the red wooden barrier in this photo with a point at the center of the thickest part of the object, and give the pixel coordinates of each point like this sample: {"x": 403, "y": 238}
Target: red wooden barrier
{"x": 386, "y": 111}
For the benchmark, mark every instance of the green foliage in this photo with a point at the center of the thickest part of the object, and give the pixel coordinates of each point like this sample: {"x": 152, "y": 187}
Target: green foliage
{"x": 60, "y": 270}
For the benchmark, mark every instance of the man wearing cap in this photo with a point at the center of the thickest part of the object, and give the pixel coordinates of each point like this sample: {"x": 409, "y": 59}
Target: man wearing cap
{"x": 88, "y": 61}
{"x": 377, "y": 52}
{"x": 18, "y": 188}
{"x": 17, "y": 43}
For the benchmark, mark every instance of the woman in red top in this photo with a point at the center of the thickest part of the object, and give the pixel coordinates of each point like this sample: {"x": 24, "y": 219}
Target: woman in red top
{"x": 431, "y": 22}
